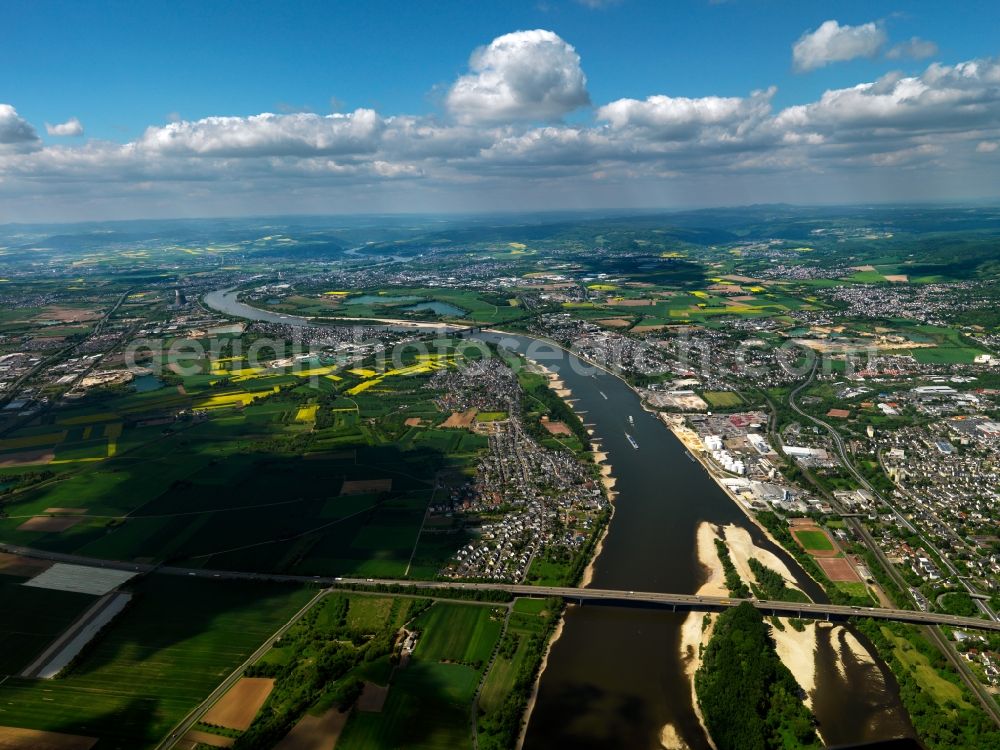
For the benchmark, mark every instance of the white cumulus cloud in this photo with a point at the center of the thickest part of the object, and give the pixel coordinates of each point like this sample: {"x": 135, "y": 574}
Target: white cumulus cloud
{"x": 832, "y": 43}
{"x": 267, "y": 134}
{"x": 679, "y": 118}
{"x": 944, "y": 99}
{"x": 16, "y": 133}
{"x": 71, "y": 127}
{"x": 525, "y": 75}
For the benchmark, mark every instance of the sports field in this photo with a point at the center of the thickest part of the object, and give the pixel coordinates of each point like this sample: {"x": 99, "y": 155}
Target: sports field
{"x": 813, "y": 540}
{"x": 722, "y": 399}
{"x": 838, "y": 569}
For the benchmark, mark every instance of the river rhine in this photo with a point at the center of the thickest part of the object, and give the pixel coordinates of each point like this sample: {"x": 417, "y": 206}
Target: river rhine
{"x": 614, "y": 678}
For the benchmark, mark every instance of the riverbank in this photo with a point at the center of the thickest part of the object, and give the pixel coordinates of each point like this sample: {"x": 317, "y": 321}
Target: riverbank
{"x": 402, "y": 322}
{"x": 600, "y": 458}
{"x": 692, "y": 444}
{"x": 608, "y": 481}
{"x": 533, "y": 698}
{"x": 697, "y": 628}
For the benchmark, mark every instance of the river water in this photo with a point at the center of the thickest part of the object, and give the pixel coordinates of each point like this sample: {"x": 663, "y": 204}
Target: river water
{"x": 614, "y": 678}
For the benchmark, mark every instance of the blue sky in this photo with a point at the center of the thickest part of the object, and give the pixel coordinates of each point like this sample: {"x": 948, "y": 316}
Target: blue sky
{"x": 108, "y": 71}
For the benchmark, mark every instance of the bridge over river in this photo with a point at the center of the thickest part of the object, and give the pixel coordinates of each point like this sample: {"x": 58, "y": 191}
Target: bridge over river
{"x": 583, "y": 596}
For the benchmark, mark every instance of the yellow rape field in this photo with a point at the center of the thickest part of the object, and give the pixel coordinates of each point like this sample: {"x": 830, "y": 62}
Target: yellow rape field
{"x": 362, "y": 387}
{"x": 224, "y": 400}
{"x": 239, "y": 372}
{"x": 306, "y": 413}
{"x": 318, "y": 371}
{"x": 426, "y": 363}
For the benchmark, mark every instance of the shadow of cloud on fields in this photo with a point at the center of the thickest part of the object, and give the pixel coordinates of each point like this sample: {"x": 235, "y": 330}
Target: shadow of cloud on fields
{"x": 124, "y": 728}
{"x": 173, "y": 645}
{"x": 307, "y": 534}
{"x": 421, "y": 705}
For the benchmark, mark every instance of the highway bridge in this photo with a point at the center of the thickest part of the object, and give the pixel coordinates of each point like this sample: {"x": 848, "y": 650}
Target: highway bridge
{"x": 583, "y": 596}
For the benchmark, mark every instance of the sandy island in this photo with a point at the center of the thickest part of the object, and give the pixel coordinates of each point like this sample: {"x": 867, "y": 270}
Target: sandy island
{"x": 850, "y": 646}
{"x": 742, "y": 550}
{"x": 796, "y": 649}
{"x": 671, "y": 740}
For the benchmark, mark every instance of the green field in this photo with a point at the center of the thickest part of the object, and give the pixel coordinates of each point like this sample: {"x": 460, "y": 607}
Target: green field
{"x": 506, "y": 688}
{"x": 722, "y": 399}
{"x": 243, "y": 489}
{"x": 854, "y": 588}
{"x": 174, "y": 643}
{"x": 429, "y": 701}
{"x": 943, "y": 691}
{"x": 814, "y": 540}
{"x": 951, "y": 355}
{"x": 458, "y": 633}
{"x": 490, "y": 416}
{"x": 368, "y": 614}
{"x": 427, "y": 707}
{"x": 31, "y": 619}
